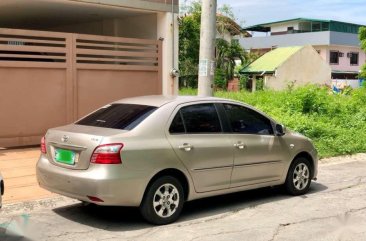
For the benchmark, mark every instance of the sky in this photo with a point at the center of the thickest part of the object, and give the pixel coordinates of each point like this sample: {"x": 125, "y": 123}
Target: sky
{"x": 262, "y": 11}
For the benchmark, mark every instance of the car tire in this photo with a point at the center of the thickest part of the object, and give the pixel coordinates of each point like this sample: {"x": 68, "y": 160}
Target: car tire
{"x": 299, "y": 177}
{"x": 163, "y": 201}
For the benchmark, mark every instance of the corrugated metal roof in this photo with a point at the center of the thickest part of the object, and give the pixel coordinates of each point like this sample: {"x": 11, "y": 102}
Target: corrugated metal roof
{"x": 288, "y": 20}
{"x": 266, "y": 26}
{"x": 270, "y": 61}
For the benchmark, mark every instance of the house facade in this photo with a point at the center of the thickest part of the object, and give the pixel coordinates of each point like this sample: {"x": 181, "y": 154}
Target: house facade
{"x": 336, "y": 42}
{"x": 61, "y": 59}
{"x": 288, "y": 66}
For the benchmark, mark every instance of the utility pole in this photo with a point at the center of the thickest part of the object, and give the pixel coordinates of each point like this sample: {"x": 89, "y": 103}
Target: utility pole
{"x": 207, "y": 48}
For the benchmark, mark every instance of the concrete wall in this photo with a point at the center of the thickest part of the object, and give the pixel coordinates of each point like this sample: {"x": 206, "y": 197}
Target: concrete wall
{"x": 305, "y": 66}
{"x": 282, "y": 27}
{"x": 168, "y": 31}
{"x": 102, "y": 27}
{"x": 155, "y": 5}
{"x": 286, "y": 40}
{"x": 347, "y": 39}
{"x": 225, "y": 35}
{"x": 146, "y": 26}
{"x": 301, "y": 39}
{"x": 140, "y": 26}
{"x": 344, "y": 62}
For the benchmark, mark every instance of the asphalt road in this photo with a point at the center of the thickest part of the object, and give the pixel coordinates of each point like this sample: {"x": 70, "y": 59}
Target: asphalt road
{"x": 334, "y": 209}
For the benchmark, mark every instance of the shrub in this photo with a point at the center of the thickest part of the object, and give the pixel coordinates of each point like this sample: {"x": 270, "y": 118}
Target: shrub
{"x": 220, "y": 79}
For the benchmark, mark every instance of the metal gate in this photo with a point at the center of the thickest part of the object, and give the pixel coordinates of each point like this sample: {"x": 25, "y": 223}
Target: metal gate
{"x": 49, "y": 79}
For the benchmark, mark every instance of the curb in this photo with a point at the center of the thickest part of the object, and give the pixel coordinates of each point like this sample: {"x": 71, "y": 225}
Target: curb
{"x": 29, "y": 206}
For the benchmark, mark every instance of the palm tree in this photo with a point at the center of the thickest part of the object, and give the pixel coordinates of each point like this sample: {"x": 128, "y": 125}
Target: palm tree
{"x": 226, "y": 54}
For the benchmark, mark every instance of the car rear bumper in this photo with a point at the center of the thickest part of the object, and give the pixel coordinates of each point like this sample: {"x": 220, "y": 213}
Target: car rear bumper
{"x": 113, "y": 184}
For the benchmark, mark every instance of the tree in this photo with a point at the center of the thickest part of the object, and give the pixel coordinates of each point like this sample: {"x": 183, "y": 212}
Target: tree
{"x": 362, "y": 37}
{"x": 227, "y": 53}
{"x": 189, "y": 39}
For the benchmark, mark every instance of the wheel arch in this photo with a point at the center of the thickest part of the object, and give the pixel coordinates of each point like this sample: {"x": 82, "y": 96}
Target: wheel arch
{"x": 307, "y": 156}
{"x": 182, "y": 178}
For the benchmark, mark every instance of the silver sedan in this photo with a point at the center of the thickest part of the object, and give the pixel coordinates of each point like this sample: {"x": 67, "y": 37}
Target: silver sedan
{"x": 156, "y": 152}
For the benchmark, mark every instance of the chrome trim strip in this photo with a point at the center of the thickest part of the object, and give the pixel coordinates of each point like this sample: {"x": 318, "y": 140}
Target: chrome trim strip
{"x": 80, "y": 148}
{"x": 256, "y": 163}
{"x": 212, "y": 168}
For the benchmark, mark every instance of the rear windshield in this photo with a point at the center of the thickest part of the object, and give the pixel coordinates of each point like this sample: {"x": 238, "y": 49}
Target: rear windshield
{"x": 118, "y": 116}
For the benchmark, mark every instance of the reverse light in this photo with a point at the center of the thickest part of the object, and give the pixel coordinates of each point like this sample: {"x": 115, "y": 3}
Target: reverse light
{"x": 107, "y": 154}
{"x": 43, "y": 145}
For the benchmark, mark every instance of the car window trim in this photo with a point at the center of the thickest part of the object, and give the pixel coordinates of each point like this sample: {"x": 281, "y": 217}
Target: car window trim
{"x": 184, "y": 123}
{"x": 240, "y": 133}
{"x": 226, "y": 127}
{"x": 203, "y": 133}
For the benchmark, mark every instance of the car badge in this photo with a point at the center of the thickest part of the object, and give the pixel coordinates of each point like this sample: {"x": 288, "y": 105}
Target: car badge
{"x": 65, "y": 138}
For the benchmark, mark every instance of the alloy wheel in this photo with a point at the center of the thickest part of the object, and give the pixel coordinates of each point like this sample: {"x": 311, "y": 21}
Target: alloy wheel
{"x": 166, "y": 200}
{"x": 301, "y": 176}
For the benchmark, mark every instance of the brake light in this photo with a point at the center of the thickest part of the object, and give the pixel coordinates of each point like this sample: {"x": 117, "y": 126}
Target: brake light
{"x": 107, "y": 154}
{"x": 43, "y": 145}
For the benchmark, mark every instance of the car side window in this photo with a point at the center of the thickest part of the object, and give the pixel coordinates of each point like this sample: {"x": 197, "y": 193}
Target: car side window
{"x": 201, "y": 118}
{"x": 247, "y": 121}
{"x": 177, "y": 126}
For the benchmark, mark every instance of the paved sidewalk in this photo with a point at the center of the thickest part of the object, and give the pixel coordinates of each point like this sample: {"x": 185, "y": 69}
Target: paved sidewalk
{"x": 18, "y": 167}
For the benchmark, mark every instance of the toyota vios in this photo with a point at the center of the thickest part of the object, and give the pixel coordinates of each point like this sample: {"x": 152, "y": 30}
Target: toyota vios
{"x": 157, "y": 152}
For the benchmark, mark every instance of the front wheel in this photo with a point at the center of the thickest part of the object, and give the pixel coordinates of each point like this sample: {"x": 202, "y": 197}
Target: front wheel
{"x": 163, "y": 201}
{"x": 299, "y": 177}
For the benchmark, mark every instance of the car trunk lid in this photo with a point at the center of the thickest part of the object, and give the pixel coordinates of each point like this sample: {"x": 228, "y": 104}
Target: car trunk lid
{"x": 72, "y": 146}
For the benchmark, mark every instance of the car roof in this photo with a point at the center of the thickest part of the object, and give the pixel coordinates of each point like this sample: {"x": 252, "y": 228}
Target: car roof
{"x": 160, "y": 100}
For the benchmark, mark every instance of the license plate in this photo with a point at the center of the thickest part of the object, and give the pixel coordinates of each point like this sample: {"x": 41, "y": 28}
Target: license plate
{"x": 65, "y": 156}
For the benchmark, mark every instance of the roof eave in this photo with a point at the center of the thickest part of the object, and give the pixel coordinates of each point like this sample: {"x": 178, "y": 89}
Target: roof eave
{"x": 263, "y": 72}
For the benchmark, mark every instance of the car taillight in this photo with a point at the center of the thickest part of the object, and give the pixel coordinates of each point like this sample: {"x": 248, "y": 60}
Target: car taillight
{"x": 43, "y": 145}
{"x": 107, "y": 154}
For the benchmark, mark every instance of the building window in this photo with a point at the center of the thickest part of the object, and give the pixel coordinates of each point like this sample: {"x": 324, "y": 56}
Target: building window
{"x": 316, "y": 27}
{"x": 334, "y": 57}
{"x": 353, "y": 58}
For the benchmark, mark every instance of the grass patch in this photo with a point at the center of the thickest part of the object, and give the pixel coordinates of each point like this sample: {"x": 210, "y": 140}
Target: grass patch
{"x": 336, "y": 123}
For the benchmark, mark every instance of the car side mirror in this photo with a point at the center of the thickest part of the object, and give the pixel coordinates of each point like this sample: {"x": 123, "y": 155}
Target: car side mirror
{"x": 280, "y": 130}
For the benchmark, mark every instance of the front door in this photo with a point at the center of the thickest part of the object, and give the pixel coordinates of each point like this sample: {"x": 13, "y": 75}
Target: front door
{"x": 258, "y": 154}
{"x": 196, "y": 137}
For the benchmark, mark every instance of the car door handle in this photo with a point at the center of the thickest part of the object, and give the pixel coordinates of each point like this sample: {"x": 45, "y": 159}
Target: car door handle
{"x": 239, "y": 145}
{"x": 185, "y": 147}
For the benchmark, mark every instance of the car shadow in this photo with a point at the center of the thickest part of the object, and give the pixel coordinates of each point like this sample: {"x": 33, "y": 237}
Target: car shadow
{"x": 128, "y": 218}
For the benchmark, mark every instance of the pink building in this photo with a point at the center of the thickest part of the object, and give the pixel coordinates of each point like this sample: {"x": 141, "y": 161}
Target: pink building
{"x": 337, "y": 42}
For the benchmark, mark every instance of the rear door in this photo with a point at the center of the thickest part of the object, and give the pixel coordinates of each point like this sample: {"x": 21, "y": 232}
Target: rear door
{"x": 197, "y": 138}
{"x": 258, "y": 153}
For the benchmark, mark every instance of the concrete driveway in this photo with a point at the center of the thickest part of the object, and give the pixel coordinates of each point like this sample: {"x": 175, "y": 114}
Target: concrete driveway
{"x": 18, "y": 167}
{"x": 335, "y": 209}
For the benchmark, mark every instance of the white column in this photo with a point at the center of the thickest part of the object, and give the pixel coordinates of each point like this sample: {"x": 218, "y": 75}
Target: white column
{"x": 254, "y": 83}
{"x": 207, "y": 48}
{"x": 169, "y": 32}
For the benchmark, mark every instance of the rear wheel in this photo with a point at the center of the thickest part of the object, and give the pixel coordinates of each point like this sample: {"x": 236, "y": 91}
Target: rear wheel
{"x": 299, "y": 177}
{"x": 163, "y": 201}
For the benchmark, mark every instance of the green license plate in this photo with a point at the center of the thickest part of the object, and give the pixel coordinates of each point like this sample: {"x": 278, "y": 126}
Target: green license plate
{"x": 65, "y": 156}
